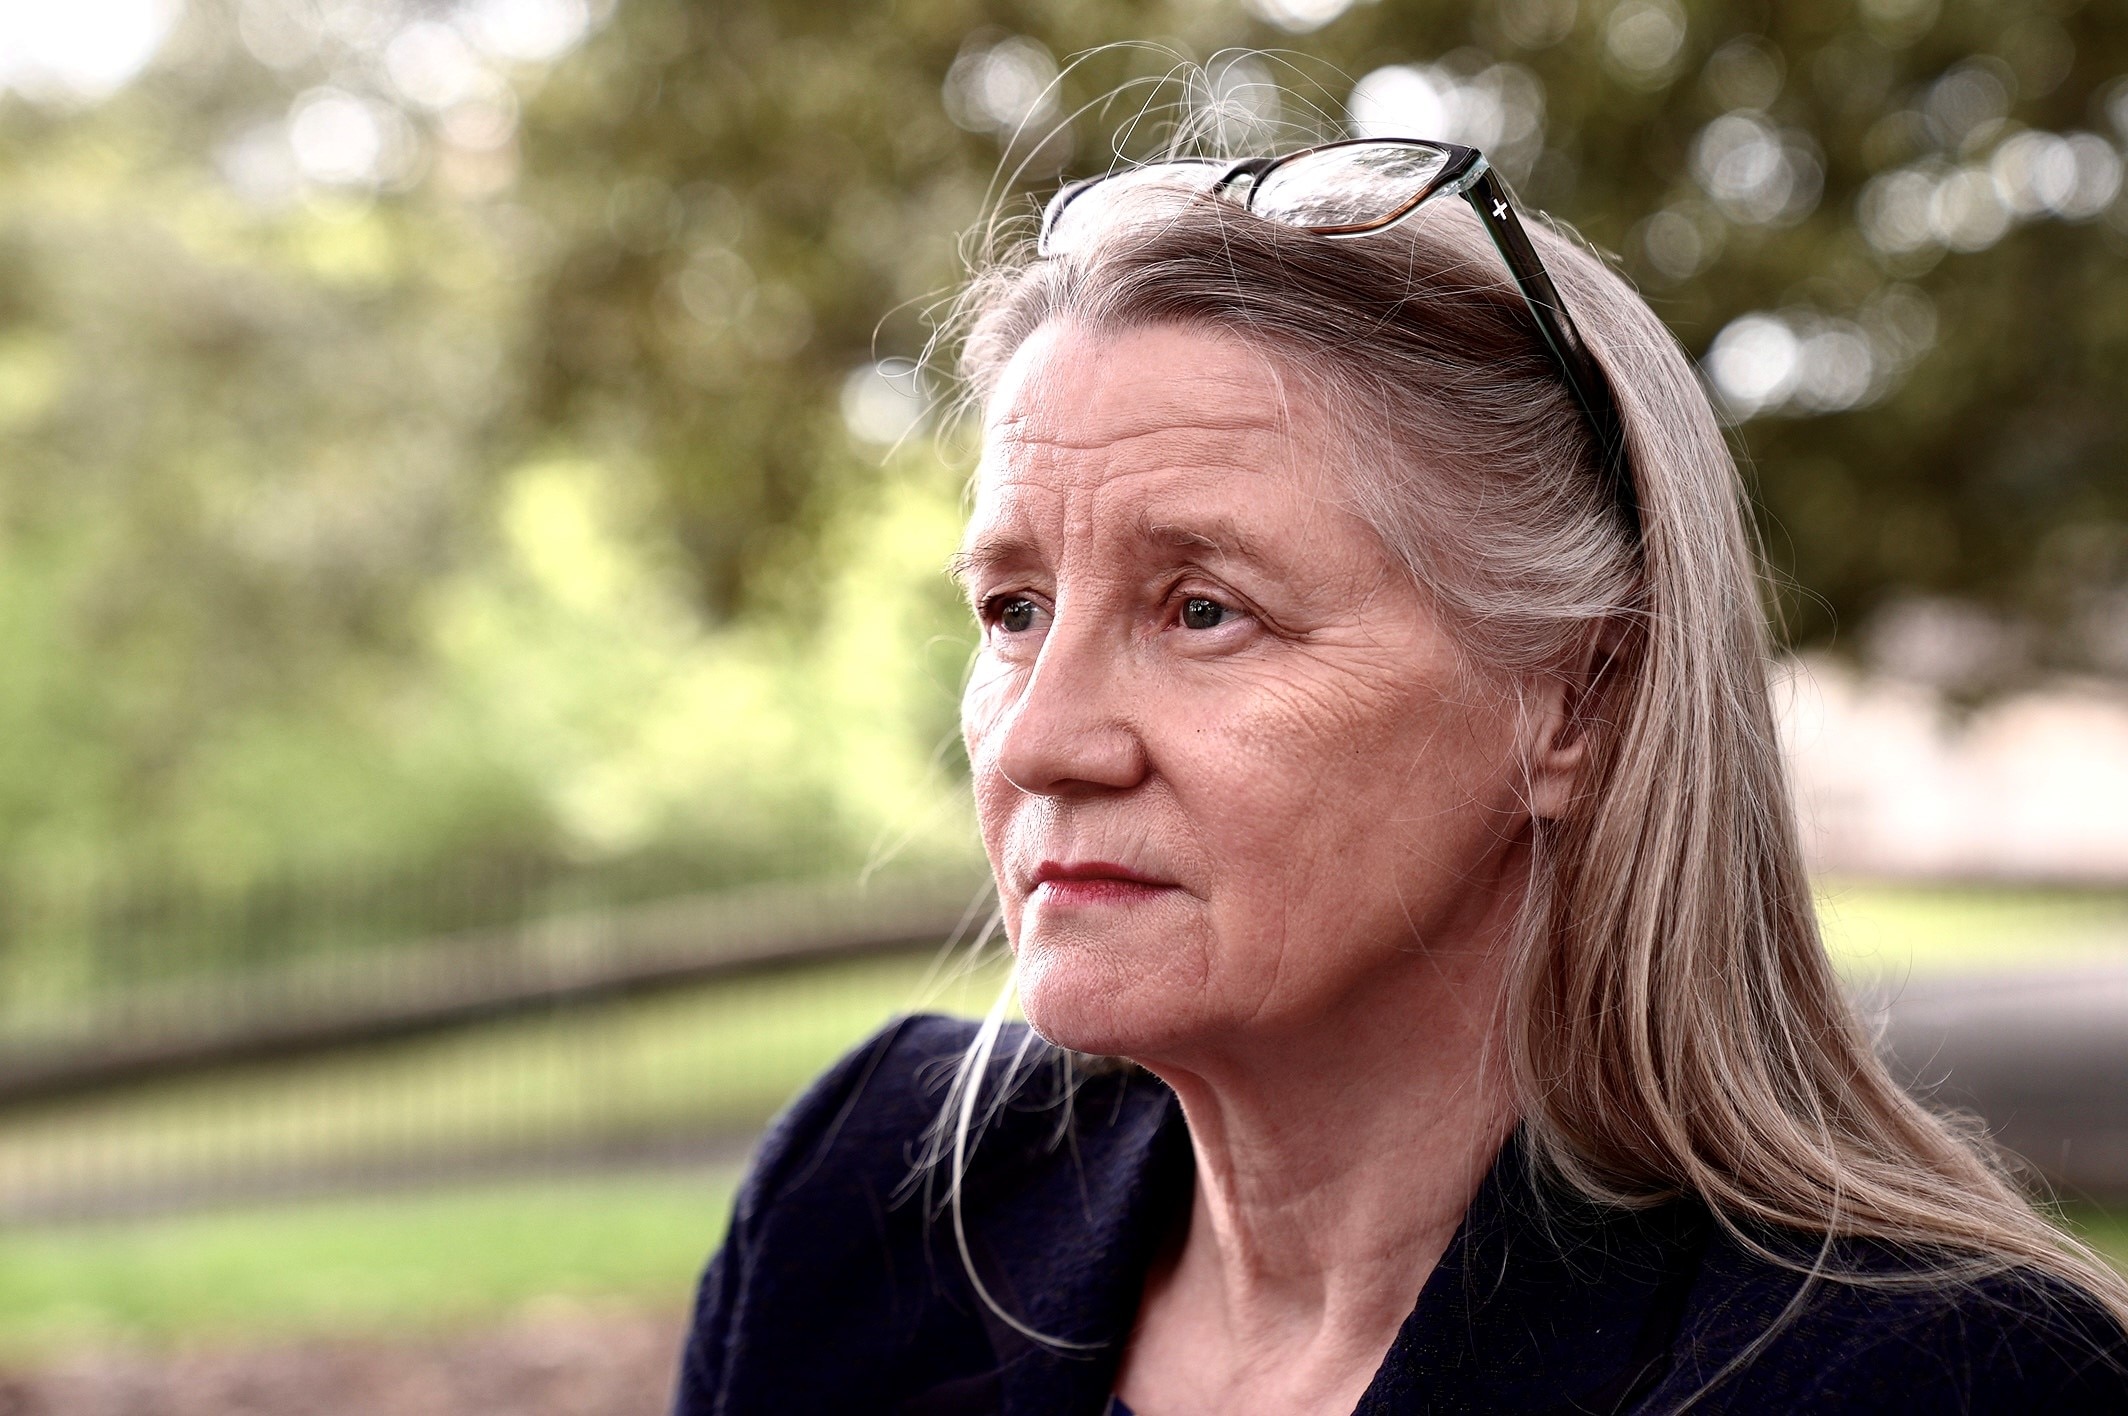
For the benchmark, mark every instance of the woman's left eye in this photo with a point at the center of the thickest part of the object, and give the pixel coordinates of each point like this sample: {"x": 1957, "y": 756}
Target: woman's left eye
{"x": 1201, "y": 613}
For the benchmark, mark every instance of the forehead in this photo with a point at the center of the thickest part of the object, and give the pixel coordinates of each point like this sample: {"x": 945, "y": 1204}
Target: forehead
{"x": 1068, "y": 375}
{"x": 1140, "y": 421}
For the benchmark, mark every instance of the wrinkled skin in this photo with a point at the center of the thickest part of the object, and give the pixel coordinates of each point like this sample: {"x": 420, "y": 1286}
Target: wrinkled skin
{"x": 1198, "y": 664}
{"x": 1257, "y": 825}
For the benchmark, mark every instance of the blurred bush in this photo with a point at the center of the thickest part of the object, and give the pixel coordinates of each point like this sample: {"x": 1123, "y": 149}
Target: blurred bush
{"x": 441, "y": 441}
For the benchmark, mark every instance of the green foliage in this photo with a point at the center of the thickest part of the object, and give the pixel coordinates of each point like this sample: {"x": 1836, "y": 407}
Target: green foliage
{"x": 2104, "y": 1231}
{"x": 1988, "y": 466}
{"x": 1885, "y": 933}
{"x": 424, "y": 490}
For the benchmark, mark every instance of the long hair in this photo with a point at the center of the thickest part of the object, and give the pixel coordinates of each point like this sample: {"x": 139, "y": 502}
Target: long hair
{"x": 1673, "y": 1022}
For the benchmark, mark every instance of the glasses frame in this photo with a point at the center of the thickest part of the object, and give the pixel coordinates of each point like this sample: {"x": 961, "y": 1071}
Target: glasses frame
{"x": 1467, "y": 174}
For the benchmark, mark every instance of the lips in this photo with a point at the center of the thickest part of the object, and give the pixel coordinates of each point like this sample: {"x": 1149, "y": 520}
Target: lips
{"x": 1094, "y": 882}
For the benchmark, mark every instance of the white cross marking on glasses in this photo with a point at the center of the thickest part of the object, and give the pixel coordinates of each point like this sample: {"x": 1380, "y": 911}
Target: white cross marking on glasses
{"x": 1500, "y": 211}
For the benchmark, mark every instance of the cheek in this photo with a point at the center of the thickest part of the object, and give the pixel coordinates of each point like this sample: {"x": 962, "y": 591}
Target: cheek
{"x": 1317, "y": 817}
{"x": 984, "y": 706}
{"x": 1329, "y": 802}
{"x": 1264, "y": 764}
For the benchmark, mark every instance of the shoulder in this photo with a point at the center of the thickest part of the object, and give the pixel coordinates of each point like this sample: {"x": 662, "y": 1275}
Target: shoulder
{"x": 821, "y": 1234}
{"x": 873, "y": 1116}
{"x": 2013, "y": 1342}
{"x": 866, "y": 1110}
{"x": 1894, "y": 1334}
{"x": 837, "y": 1241}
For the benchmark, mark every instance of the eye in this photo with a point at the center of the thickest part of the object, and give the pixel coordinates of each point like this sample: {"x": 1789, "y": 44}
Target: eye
{"x": 1014, "y": 614}
{"x": 1201, "y": 613}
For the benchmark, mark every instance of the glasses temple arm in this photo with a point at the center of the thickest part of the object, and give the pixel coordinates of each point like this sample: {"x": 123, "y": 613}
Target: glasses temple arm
{"x": 1584, "y": 376}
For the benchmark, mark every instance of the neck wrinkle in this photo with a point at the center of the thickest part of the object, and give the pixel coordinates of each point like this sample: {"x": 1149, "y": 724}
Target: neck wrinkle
{"x": 1326, "y": 1194}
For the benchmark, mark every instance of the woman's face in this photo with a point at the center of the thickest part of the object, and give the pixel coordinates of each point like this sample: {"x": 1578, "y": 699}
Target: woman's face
{"x": 1232, "y": 775}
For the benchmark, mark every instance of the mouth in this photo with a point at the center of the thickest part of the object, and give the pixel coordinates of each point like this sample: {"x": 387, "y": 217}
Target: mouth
{"x": 1094, "y": 882}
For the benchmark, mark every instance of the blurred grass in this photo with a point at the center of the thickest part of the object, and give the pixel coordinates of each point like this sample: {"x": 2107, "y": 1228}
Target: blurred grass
{"x": 721, "y": 1059}
{"x": 2105, "y": 1231}
{"x": 398, "y": 1263}
{"x": 385, "y": 1264}
{"x": 712, "y": 1061}
{"x": 1876, "y": 931}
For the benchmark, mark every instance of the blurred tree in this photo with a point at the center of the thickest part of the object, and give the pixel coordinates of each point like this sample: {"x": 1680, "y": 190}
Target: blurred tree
{"x": 303, "y": 301}
{"x": 1905, "y": 216}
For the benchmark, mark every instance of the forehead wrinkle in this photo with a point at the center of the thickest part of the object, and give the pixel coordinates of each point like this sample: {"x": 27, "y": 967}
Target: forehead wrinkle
{"x": 1167, "y": 517}
{"x": 1081, "y": 431}
{"x": 1024, "y": 429}
{"x": 1156, "y": 479}
{"x": 1147, "y": 527}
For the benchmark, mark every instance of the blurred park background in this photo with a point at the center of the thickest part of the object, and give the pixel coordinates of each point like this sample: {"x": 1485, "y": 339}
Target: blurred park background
{"x": 477, "y": 684}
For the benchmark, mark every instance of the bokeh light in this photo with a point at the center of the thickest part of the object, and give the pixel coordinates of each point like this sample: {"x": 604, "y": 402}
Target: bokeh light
{"x": 465, "y": 475}
{"x": 1756, "y": 173}
{"x": 80, "y": 50}
{"x": 1644, "y": 41}
{"x": 1496, "y": 107}
{"x": 1801, "y": 361}
{"x": 1298, "y": 16}
{"x": 1002, "y": 85}
{"x": 528, "y": 31}
{"x": 884, "y": 403}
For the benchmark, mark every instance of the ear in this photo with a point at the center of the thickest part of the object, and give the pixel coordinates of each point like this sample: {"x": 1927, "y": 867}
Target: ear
{"x": 1565, "y": 706}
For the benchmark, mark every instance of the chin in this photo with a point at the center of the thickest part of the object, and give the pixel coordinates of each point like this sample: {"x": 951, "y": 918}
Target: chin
{"x": 1133, "y": 982}
{"x": 1101, "y": 1005}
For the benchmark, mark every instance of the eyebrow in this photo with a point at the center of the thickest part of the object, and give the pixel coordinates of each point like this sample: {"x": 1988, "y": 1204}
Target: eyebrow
{"x": 987, "y": 553}
{"x": 1221, "y": 536}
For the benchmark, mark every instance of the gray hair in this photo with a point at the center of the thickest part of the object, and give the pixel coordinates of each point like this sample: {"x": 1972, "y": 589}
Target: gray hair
{"x": 1673, "y": 1023}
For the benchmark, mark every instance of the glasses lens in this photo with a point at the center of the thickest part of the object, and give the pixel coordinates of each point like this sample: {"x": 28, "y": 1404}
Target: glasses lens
{"x": 1080, "y": 213}
{"x": 1350, "y": 187}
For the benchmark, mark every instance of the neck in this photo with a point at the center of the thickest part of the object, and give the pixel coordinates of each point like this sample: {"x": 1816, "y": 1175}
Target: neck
{"x": 1322, "y": 1180}
{"x": 1334, "y": 1164}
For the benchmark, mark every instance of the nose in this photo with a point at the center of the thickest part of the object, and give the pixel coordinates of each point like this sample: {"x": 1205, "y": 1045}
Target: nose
{"x": 1071, "y": 729}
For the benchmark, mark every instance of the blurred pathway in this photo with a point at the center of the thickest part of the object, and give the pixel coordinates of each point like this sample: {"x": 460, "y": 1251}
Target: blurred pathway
{"x": 2042, "y": 1055}
{"x": 562, "y": 1360}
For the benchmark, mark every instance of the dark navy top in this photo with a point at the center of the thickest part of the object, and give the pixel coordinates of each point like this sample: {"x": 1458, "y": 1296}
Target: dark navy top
{"x": 840, "y": 1288}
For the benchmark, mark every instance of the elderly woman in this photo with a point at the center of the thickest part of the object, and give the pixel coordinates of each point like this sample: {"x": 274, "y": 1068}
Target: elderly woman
{"x": 1424, "y": 1007}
